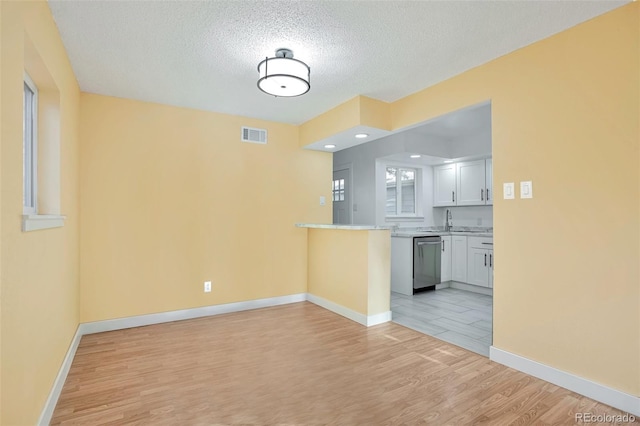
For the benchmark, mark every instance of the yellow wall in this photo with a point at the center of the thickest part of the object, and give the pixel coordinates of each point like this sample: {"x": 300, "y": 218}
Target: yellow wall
{"x": 40, "y": 279}
{"x": 172, "y": 198}
{"x": 351, "y": 268}
{"x": 338, "y": 266}
{"x": 379, "y": 272}
{"x": 565, "y": 115}
{"x": 375, "y": 113}
{"x": 358, "y": 111}
{"x": 343, "y": 117}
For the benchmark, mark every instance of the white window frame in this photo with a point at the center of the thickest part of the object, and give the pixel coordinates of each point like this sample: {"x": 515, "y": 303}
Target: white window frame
{"x": 417, "y": 176}
{"x": 30, "y": 180}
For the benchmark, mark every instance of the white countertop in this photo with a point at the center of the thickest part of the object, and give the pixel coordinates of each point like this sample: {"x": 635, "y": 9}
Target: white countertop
{"x": 346, "y": 227}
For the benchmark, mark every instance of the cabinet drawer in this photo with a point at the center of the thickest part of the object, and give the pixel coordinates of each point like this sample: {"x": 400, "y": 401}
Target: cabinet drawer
{"x": 480, "y": 242}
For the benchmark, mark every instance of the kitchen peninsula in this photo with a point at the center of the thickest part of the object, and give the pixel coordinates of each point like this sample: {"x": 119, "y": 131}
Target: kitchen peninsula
{"x": 349, "y": 270}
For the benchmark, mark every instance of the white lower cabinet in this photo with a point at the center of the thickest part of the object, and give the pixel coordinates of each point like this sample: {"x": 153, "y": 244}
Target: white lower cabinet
{"x": 445, "y": 258}
{"x": 402, "y": 265}
{"x": 459, "y": 258}
{"x": 480, "y": 261}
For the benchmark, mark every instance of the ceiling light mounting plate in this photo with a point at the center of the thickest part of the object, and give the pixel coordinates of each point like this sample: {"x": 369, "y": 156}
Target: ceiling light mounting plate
{"x": 284, "y": 53}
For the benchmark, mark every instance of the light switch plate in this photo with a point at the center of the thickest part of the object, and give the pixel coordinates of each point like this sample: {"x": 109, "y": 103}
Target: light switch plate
{"x": 323, "y": 200}
{"x": 509, "y": 191}
{"x": 526, "y": 189}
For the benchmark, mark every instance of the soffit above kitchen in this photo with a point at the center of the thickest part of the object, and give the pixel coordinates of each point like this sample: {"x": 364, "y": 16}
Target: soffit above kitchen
{"x": 204, "y": 54}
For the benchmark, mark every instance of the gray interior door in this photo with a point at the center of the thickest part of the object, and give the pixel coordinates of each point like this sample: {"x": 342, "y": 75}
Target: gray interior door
{"x": 341, "y": 194}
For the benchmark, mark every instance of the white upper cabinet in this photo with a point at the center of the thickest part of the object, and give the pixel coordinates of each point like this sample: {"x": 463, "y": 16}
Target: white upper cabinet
{"x": 444, "y": 185}
{"x": 471, "y": 184}
{"x": 489, "y": 180}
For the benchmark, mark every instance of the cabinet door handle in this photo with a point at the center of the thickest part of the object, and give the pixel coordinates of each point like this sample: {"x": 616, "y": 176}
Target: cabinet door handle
{"x": 487, "y": 194}
{"x": 453, "y": 197}
{"x": 490, "y": 260}
{"x": 485, "y": 259}
{"x": 442, "y": 245}
{"x": 482, "y": 195}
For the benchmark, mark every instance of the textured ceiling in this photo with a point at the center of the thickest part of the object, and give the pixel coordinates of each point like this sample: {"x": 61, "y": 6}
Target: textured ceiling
{"x": 204, "y": 54}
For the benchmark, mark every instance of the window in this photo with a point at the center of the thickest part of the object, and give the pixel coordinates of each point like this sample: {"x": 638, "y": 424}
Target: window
{"x": 400, "y": 191}
{"x": 41, "y": 130}
{"x": 338, "y": 190}
{"x": 29, "y": 146}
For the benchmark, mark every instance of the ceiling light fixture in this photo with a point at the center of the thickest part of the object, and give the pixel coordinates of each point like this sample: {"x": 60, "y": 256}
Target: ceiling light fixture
{"x": 362, "y": 135}
{"x": 284, "y": 76}
{"x": 330, "y": 146}
{"x": 416, "y": 156}
{"x": 448, "y": 161}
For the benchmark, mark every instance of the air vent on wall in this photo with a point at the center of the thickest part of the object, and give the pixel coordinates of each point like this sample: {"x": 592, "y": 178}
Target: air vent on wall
{"x": 250, "y": 134}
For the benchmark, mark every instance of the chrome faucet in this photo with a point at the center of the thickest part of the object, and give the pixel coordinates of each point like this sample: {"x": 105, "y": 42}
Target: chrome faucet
{"x": 447, "y": 221}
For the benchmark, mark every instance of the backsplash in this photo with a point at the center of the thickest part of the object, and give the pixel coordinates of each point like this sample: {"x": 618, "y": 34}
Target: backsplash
{"x": 472, "y": 216}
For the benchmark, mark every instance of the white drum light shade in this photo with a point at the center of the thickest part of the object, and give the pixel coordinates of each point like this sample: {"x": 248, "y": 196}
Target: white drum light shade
{"x": 283, "y": 75}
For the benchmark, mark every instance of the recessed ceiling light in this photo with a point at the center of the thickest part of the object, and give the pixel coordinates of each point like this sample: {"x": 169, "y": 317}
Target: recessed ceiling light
{"x": 362, "y": 135}
{"x": 448, "y": 161}
{"x": 330, "y": 146}
{"x": 416, "y": 156}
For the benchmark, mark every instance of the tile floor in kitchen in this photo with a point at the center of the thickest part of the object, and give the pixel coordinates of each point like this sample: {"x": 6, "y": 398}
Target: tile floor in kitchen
{"x": 455, "y": 316}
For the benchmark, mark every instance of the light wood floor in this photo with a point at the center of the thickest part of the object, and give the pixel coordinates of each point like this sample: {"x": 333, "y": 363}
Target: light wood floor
{"x": 299, "y": 364}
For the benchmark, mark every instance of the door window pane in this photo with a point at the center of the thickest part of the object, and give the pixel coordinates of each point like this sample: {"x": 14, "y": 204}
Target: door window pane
{"x": 338, "y": 190}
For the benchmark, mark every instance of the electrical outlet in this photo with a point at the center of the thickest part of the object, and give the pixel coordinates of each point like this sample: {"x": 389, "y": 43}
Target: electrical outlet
{"x": 207, "y": 286}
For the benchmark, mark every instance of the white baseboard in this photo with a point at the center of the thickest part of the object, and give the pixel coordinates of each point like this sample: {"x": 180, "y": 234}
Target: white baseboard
{"x": 593, "y": 390}
{"x": 349, "y": 313}
{"x": 141, "y": 320}
{"x": 338, "y": 309}
{"x": 58, "y": 383}
{"x": 378, "y": 318}
{"x": 472, "y": 288}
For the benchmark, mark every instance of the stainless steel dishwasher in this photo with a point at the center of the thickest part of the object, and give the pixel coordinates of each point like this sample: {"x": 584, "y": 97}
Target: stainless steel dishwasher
{"x": 426, "y": 263}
